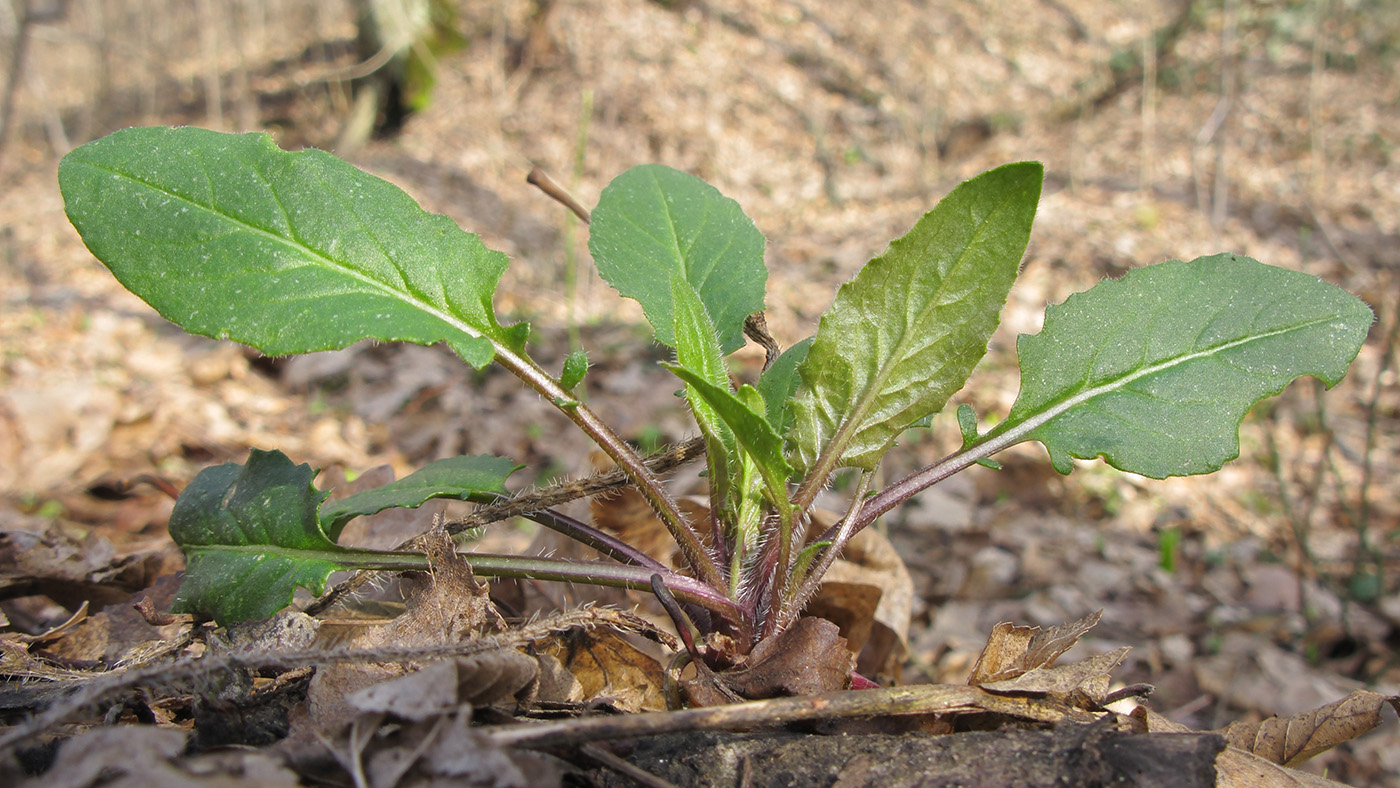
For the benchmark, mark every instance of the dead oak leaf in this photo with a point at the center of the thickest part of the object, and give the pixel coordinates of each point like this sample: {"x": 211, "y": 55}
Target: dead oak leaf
{"x": 1013, "y": 650}
{"x": 1089, "y": 676}
{"x": 1291, "y": 740}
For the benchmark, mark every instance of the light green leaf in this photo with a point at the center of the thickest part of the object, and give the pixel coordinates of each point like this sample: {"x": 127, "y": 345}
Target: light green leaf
{"x": 752, "y": 431}
{"x": 779, "y": 383}
{"x": 251, "y": 536}
{"x": 575, "y": 367}
{"x": 652, "y": 222}
{"x": 1155, "y": 371}
{"x": 472, "y": 478}
{"x": 903, "y": 336}
{"x": 230, "y": 237}
{"x": 697, "y": 350}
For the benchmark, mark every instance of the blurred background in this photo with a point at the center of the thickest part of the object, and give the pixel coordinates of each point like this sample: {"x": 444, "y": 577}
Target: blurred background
{"x": 1267, "y": 128}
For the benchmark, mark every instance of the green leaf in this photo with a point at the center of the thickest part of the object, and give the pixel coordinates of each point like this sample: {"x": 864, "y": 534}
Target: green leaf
{"x": 903, "y": 336}
{"x": 575, "y": 367}
{"x": 251, "y": 536}
{"x": 472, "y": 478}
{"x": 697, "y": 350}
{"x": 779, "y": 383}
{"x": 751, "y": 429}
{"x": 1155, "y": 371}
{"x": 230, "y": 237}
{"x": 967, "y": 424}
{"x": 653, "y": 221}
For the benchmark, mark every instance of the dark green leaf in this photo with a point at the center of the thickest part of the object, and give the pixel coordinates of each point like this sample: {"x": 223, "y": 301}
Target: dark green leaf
{"x": 473, "y": 478}
{"x": 653, "y": 221}
{"x": 903, "y": 336}
{"x": 250, "y": 535}
{"x": 1155, "y": 371}
{"x": 779, "y": 383}
{"x": 230, "y": 237}
{"x": 575, "y": 367}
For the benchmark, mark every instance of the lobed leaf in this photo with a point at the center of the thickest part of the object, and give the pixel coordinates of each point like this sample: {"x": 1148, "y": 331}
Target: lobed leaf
{"x": 230, "y": 237}
{"x": 477, "y": 478}
{"x": 652, "y": 222}
{"x": 251, "y": 537}
{"x": 903, "y": 336}
{"x": 1155, "y": 371}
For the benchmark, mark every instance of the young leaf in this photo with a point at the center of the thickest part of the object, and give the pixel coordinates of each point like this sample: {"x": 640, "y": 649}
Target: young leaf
{"x": 653, "y": 221}
{"x": 230, "y": 237}
{"x": 698, "y": 350}
{"x": 780, "y": 382}
{"x": 967, "y": 423}
{"x": 751, "y": 429}
{"x": 903, "y": 336}
{"x": 1155, "y": 371}
{"x": 473, "y": 478}
{"x": 575, "y": 367}
{"x": 251, "y": 536}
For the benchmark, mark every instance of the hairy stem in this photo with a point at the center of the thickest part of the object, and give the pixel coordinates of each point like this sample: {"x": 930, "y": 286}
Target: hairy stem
{"x": 651, "y": 487}
{"x": 926, "y": 477}
{"x": 844, "y": 531}
{"x": 555, "y": 495}
{"x": 635, "y": 578}
{"x": 772, "y": 620}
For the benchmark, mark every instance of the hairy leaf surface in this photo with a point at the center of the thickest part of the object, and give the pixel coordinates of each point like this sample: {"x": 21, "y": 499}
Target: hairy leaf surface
{"x": 653, "y": 221}
{"x": 1155, "y": 371}
{"x": 230, "y": 237}
{"x": 471, "y": 478}
{"x": 251, "y": 536}
{"x": 750, "y": 428}
{"x": 903, "y": 336}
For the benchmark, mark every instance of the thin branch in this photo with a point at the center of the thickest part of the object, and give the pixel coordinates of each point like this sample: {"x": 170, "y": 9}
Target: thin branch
{"x": 915, "y": 700}
{"x": 560, "y": 494}
{"x": 541, "y": 180}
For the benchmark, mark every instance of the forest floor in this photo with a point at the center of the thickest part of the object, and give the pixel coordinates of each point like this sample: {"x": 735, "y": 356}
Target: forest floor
{"x": 1270, "y": 130}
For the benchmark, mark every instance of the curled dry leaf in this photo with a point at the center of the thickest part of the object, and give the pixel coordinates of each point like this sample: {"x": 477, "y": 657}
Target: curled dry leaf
{"x": 1013, "y": 650}
{"x": 808, "y": 658}
{"x": 1236, "y": 768}
{"x": 1291, "y": 740}
{"x": 1089, "y": 677}
{"x": 608, "y": 667}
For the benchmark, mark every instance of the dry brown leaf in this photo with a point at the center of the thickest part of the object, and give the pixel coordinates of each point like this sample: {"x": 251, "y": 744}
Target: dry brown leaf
{"x": 427, "y": 692}
{"x": 70, "y": 567}
{"x": 608, "y": 667}
{"x": 446, "y": 605}
{"x": 808, "y": 658}
{"x": 1013, "y": 650}
{"x": 140, "y": 756}
{"x": 494, "y": 675}
{"x": 1089, "y": 676}
{"x": 1236, "y": 768}
{"x": 1291, "y": 740}
{"x": 880, "y": 636}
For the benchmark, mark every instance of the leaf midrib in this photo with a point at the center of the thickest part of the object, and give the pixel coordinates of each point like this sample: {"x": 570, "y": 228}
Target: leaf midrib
{"x": 326, "y": 262}
{"x": 1030, "y": 424}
